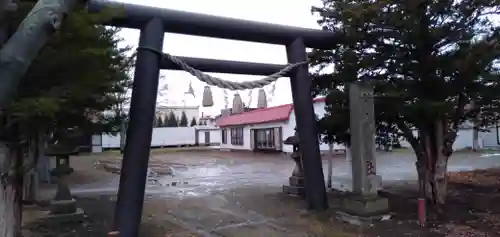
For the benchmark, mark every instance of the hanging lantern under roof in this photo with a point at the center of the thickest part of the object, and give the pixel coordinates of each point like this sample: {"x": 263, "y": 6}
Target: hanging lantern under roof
{"x": 226, "y": 99}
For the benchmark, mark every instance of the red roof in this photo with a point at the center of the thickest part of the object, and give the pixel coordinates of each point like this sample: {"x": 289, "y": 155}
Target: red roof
{"x": 266, "y": 115}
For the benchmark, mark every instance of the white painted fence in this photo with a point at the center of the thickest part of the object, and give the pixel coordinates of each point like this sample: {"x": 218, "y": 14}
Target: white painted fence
{"x": 170, "y": 136}
{"x": 214, "y": 136}
{"x": 487, "y": 139}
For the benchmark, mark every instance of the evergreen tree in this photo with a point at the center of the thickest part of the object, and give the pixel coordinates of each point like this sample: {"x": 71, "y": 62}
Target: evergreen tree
{"x": 428, "y": 61}
{"x": 79, "y": 73}
{"x": 172, "y": 120}
{"x": 184, "y": 120}
{"x": 193, "y": 122}
{"x": 165, "y": 120}
{"x": 155, "y": 122}
{"x": 159, "y": 122}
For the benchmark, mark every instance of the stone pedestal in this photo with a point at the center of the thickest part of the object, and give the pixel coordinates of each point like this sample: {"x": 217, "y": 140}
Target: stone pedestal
{"x": 365, "y": 205}
{"x": 296, "y": 182}
{"x": 296, "y": 186}
{"x": 58, "y": 207}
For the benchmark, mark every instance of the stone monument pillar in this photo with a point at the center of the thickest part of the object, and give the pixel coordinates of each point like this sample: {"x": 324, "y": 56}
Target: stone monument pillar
{"x": 296, "y": 185}
{"x": 123, "y": 135}
{"x": 365, "y": 181}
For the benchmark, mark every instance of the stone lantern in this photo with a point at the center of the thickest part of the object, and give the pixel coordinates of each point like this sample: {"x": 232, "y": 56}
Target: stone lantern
{"x": 296, "y": 181}
{"x": 63, "y": 206}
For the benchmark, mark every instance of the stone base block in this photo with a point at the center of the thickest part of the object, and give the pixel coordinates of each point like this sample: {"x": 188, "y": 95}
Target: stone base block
{"x": 58, "y": 207}
{"x": 296, "y": 181}
{"x": 75, "y": 217}
{"x": 365, "y": 206}
{"x": 294, "y": 190}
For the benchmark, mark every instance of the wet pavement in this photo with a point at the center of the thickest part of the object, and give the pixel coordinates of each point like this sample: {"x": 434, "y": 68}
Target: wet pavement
{"x": 200, "y": 174}
{"x": 222, "y": 194}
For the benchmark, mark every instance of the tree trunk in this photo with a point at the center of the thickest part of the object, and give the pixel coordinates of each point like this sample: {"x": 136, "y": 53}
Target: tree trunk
{"x": 440, "y": 169}
{"x": 18, "y": 155}
{"x": 440, "y": 179}
{"x": 475, "y": 135}
{"x": 31, "y": 178}
{"x": 348, "y": 155}
{"x": 29, "y": 196}
{"x": 43, "y": 165}
{"x": 433, "y": 181}
{"x": 330, "y": 165}
{"x": 8, "y": 208}
{"x": 432, "y": 162}
{"x": 43, "y": 168}
{"x": 123, "y": 136}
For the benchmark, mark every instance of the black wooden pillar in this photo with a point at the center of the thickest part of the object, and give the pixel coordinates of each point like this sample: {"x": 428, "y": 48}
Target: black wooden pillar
{"x": 137, "y": 147}
{"x": 306, "y": 127}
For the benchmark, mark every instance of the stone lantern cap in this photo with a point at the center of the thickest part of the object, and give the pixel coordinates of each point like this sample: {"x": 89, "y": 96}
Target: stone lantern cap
{"x": 292, "y": 140}
{"x": 61, "y": 150}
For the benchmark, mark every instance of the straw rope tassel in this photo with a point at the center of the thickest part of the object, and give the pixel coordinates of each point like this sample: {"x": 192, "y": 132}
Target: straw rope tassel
{"x": 238, "y": 106}
{"x": 208, "y": 100}
{"x": 262, "y": 99}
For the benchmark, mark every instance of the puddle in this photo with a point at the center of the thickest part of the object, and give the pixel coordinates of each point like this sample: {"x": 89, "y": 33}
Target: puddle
{"x": 201, "y": 179}
{"x": 490, "y": 154}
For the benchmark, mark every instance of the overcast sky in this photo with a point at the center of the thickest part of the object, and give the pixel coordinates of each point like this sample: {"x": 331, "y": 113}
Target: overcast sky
{"x": 286, "y": 12}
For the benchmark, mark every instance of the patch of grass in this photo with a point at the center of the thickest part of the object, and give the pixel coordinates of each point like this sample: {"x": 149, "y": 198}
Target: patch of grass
{"x": 402, "y": 150}
{"x": 481, "y": 178}
{"x": 489, "y": 150}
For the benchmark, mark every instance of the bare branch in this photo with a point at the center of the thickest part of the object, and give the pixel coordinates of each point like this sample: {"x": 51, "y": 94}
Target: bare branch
{"x": 407, "y": 134}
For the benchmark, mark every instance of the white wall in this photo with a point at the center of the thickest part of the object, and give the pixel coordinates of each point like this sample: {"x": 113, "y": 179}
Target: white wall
{"x": 288, "y": 130}
{"x": 96, "y": 143}
{"x": 490, "y": 138}
{"x": 110, "y": 141}
{"x": 168, "y": 136}
{"x": 173, "y": 136}
{"x": 463, "y": 140}
{"x": 215, "y": 136}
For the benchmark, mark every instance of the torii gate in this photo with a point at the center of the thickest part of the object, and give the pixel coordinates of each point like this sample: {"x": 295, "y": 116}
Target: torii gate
{"x": 153, "y": 24}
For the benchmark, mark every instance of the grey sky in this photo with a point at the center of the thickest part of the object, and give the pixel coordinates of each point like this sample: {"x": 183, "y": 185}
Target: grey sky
{"x": 295, "y": 13}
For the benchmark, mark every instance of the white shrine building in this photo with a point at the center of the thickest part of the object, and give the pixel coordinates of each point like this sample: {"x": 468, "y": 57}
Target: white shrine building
{"x": 264, "y": 129}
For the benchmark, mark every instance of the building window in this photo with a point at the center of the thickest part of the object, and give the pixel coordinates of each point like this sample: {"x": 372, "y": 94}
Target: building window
{"x": 237, "y": 136}
{"x": 224, "y": 136}
{"x": 264, "y": 138}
